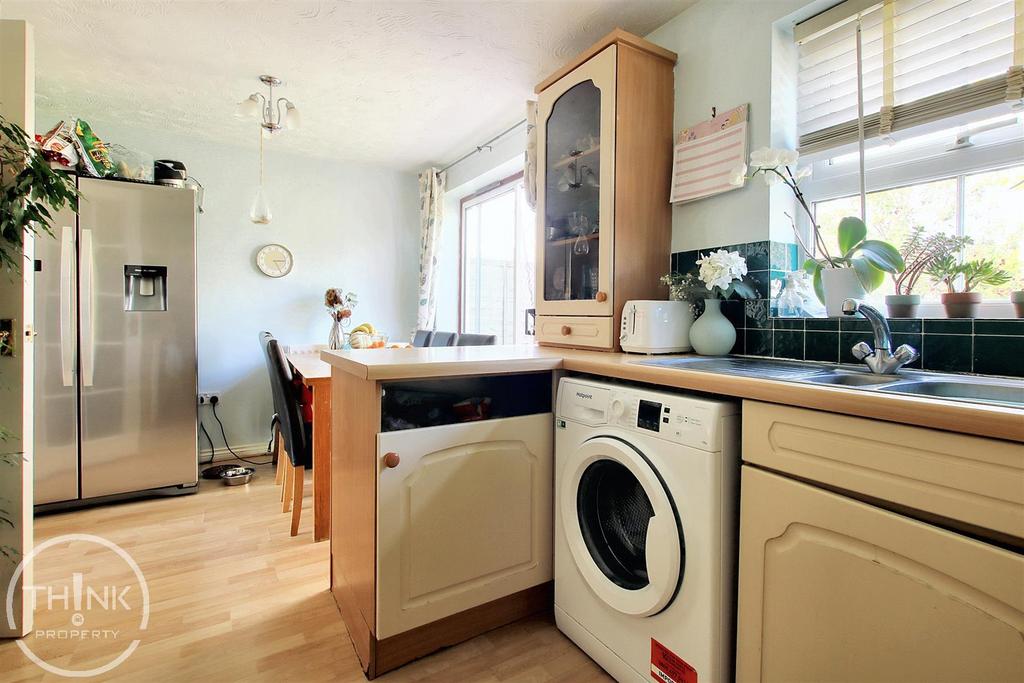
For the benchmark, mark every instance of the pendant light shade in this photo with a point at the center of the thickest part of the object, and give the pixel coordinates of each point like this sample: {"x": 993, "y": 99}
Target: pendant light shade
{"x": 260, "y": 211}
{"x": 250, "y": 106}
{"x": 292, "y": 120}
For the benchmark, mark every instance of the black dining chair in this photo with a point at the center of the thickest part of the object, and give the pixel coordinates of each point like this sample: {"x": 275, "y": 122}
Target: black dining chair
{"x": 296, "y": 433}
{"x": 443, "y": 339}
{"x": 472, "y": 339}
{"x": 422, "y": 338}
{"x": 275, "y": 422}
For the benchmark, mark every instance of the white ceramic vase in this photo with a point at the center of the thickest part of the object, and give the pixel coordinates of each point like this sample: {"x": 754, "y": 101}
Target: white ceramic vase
{"x": 712, "y": 334}
{"x": 840, "y": 284}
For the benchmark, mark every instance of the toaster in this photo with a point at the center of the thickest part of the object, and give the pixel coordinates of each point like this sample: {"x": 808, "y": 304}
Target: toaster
{"x": 655, "y": 326}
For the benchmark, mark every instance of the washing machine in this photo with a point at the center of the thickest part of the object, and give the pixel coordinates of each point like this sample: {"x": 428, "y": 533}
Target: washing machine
{"x": 646, "y": 500}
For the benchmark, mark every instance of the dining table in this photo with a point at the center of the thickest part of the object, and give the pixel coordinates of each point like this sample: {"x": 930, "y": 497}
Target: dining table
{"x": 316, "y": 375}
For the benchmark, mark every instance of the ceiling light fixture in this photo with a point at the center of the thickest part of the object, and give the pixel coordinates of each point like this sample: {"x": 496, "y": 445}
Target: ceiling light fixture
{"x": 274, "y": 116}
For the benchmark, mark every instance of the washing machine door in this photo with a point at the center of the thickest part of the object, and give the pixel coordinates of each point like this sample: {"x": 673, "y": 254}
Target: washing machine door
{"x": 621, "y": 526}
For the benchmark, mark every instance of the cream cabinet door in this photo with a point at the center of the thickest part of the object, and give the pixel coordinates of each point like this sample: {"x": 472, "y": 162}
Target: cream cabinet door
{"x": 463, "y": 518}
{"x": 831, "y": 589}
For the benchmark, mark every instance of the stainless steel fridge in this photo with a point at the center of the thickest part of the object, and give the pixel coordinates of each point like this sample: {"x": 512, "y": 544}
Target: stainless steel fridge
{"x": 116, "y": 370}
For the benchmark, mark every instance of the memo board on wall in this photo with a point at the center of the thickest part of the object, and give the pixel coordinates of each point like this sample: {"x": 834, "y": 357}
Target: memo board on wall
{"x": 706, "y": 155}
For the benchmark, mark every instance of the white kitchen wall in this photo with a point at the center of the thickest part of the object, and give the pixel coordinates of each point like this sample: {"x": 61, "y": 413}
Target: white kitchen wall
{"x": 726, "y": 58}
{"x": 349, "y": 226}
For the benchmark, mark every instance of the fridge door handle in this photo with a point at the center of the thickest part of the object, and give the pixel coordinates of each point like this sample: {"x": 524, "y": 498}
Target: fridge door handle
{"x": 86, "y": 308}
{"x": 67, "y": 305}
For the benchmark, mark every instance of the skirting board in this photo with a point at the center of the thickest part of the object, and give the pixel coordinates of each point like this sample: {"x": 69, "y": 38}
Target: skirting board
{"x": 393, "y": 652}
{"x": 222, "y": 454}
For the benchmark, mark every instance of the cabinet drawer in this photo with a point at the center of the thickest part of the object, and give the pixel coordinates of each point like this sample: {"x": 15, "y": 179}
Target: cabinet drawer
{"x": 969, "y": 479}
{"x": 590, "y": 332}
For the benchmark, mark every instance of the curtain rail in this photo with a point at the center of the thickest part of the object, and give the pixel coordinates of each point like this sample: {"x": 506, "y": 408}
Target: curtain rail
{"x": 482, "y": 147}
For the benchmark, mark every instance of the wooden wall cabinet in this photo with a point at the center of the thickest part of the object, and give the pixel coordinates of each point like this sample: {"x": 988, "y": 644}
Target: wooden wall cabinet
{"x": 604, "y": 148}
{"x": 871, "y": 578}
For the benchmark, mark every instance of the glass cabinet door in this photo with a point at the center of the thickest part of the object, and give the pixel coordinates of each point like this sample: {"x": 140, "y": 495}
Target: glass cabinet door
{"x": 572, "y": 189}
{"x": 577, "y": 162}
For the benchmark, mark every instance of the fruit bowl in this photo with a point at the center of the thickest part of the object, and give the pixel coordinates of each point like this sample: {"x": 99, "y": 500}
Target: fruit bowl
{"x": 365, "y": 340}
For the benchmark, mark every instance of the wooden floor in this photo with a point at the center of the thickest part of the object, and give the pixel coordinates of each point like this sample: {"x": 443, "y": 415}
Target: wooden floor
{"x": 235, "y": 598}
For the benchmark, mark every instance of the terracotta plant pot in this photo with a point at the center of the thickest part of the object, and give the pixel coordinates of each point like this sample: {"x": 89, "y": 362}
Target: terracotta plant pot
{"x": 1017, "y": 299}
{"x": 961, "y": 304}
{"x": 902, "y": 305}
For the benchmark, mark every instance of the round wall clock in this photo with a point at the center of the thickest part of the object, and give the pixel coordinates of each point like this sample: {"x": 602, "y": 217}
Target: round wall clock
{"x": 274, "y": 260}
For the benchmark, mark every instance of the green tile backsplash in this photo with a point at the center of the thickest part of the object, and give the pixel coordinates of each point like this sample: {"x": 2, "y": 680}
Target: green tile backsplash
{"x": 982, "y": 346}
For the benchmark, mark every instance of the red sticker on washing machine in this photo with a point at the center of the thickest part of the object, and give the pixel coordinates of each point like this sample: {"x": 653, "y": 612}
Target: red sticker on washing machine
{"x": 668, "y": 667}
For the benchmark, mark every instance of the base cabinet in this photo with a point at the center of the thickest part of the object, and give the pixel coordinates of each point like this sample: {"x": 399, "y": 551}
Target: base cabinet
{"x": 463, "y": 518}
{"x": 832, "y": 589}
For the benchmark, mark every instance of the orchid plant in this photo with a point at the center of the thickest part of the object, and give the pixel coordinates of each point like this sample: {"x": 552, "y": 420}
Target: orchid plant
{"x": 871, "y": 259}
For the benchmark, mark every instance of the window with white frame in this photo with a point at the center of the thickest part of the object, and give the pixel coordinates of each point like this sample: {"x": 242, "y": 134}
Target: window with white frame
{"x": 943, "y": 123}
{"x": 497, "y": 270}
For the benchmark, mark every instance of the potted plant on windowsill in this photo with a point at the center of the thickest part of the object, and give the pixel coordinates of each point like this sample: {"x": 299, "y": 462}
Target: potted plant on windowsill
{"x": 919, "y": 251}
{"x": 960, "y": 280}
{"x": 860, "y": 264}
{"x": 1017, "y": 299}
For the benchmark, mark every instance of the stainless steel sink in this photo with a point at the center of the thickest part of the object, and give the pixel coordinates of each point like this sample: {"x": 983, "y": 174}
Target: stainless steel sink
{"x": 962, "y": 390}
{"x": 950, "y": 387}
{"x": 747, "y": 367}
{"x": 853, "y": 379}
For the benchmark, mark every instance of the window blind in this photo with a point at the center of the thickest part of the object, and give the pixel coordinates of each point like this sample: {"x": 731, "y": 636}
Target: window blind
{"x": 922, "y": 60}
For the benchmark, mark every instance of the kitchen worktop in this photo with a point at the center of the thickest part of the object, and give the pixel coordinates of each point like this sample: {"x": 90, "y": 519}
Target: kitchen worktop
{"x": 999, "y": 422}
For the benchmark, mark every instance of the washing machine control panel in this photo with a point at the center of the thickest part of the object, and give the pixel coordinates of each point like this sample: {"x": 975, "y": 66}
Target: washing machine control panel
{"x": 682, "y": 419}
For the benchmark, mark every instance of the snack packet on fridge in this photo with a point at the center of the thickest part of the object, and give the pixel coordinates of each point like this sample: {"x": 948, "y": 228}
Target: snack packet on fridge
{"x": 92, "y": 150}
{"x": 58, "y": 145}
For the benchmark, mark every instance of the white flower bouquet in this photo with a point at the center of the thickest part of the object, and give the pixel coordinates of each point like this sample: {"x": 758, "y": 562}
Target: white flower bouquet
{"x": 722, "y": 273}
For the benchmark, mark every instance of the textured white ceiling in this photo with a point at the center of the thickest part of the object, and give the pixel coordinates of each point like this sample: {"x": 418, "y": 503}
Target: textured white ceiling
{"x": 394, "y": 83}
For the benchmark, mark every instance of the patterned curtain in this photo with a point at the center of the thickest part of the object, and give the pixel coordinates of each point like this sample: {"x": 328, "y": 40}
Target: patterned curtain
{"x": 530, "y": 163}
{"x": 431, "y": 208}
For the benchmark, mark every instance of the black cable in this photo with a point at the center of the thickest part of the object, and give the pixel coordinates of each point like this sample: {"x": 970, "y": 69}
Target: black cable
{"x": 213, "y": 449}
{"x": 216, "y": 417}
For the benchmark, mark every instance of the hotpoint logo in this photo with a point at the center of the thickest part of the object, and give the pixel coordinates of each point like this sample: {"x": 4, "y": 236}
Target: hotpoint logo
{"x": 108, "y": 600}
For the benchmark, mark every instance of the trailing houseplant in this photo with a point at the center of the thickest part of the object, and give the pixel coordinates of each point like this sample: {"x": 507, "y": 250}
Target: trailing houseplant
{"x": 722, "y": 275}
{"x": 919, "y": 252}
{"x": 29, "y": 191}
{"x": 960, "y": 280}
{"x": 860, "y": 264}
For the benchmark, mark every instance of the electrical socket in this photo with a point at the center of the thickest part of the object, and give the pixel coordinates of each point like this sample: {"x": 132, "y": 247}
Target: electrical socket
{"x": 209, "y": 398}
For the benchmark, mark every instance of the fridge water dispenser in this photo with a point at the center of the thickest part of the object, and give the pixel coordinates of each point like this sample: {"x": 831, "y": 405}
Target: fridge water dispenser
{"x": 145, "y": 288}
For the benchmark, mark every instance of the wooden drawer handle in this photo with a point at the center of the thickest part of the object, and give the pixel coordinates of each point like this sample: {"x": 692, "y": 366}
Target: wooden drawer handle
{"x": 391, "y": 460}
{"x": 566, "y": 330}
{"x": 601, "y": 296}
